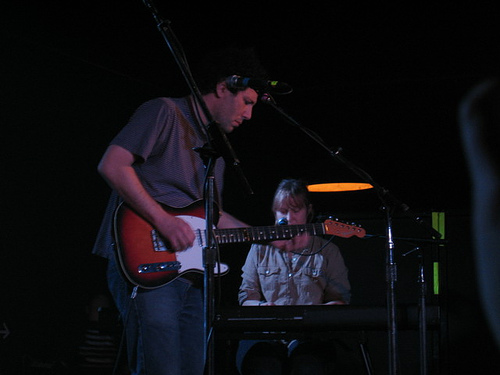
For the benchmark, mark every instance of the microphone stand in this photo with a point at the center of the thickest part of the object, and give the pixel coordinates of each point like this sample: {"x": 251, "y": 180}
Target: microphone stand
{"x": 217, "y": 145}
{"x": 422, "y": 309}
{"x": 389, "y": 204}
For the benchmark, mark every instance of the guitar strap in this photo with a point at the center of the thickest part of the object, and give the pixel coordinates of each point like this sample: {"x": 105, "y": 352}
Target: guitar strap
{"x": 201, "y": 129}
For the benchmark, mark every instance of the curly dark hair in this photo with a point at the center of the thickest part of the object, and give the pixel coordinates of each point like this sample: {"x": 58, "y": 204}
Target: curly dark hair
{"x": 217, "y": 65}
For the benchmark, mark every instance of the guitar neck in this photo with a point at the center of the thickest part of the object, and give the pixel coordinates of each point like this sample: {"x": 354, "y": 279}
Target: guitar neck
{"x": 267, "y": 233}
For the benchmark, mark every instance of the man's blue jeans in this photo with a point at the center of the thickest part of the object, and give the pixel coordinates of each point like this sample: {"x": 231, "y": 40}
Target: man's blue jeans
{"x": 164, "y": 326}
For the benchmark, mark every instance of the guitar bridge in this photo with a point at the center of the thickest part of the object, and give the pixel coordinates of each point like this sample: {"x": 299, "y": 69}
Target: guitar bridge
{"x": 159, "y": 267}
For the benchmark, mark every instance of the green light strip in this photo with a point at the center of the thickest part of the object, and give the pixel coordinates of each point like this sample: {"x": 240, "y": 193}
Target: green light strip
{"x": 438, "y": 223}
{"x": 436, "y": 278}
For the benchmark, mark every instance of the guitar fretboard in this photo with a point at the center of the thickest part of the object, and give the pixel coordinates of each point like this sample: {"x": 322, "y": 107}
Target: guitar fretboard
{"x": 267, "y": 233}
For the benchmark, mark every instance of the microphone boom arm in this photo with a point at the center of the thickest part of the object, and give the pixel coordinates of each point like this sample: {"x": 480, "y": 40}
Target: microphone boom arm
{"x": 388, "y": 199}
{"x": 217, "y": 139}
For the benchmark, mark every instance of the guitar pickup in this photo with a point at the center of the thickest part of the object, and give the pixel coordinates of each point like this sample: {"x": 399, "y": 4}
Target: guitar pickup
{"x": 158, "y": 244}
{"x": 159, "y": 267}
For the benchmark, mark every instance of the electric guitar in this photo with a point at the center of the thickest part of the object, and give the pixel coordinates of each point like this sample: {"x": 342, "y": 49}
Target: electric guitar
{"x": 146, "y": 260}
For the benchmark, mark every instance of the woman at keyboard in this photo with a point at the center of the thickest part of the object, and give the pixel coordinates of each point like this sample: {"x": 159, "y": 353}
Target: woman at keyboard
{"x": 305, "y": 270}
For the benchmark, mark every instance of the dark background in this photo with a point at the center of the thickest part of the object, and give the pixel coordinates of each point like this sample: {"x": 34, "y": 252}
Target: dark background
{"x": 382, "y": 83}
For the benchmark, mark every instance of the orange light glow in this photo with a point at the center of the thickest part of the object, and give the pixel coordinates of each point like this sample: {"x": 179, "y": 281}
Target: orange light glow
{"x": 336, "y": 187}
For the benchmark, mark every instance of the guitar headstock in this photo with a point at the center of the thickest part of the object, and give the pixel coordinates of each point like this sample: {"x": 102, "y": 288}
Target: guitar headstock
{"x": 337, "y": 228}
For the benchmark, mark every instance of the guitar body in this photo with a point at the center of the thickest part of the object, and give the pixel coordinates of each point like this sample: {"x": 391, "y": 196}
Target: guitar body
{"x": 144, "y": 257}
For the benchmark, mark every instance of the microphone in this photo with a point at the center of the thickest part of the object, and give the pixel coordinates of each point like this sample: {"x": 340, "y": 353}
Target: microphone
{"x": 237, "y": 82}
{"x": 283, "y": 221}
